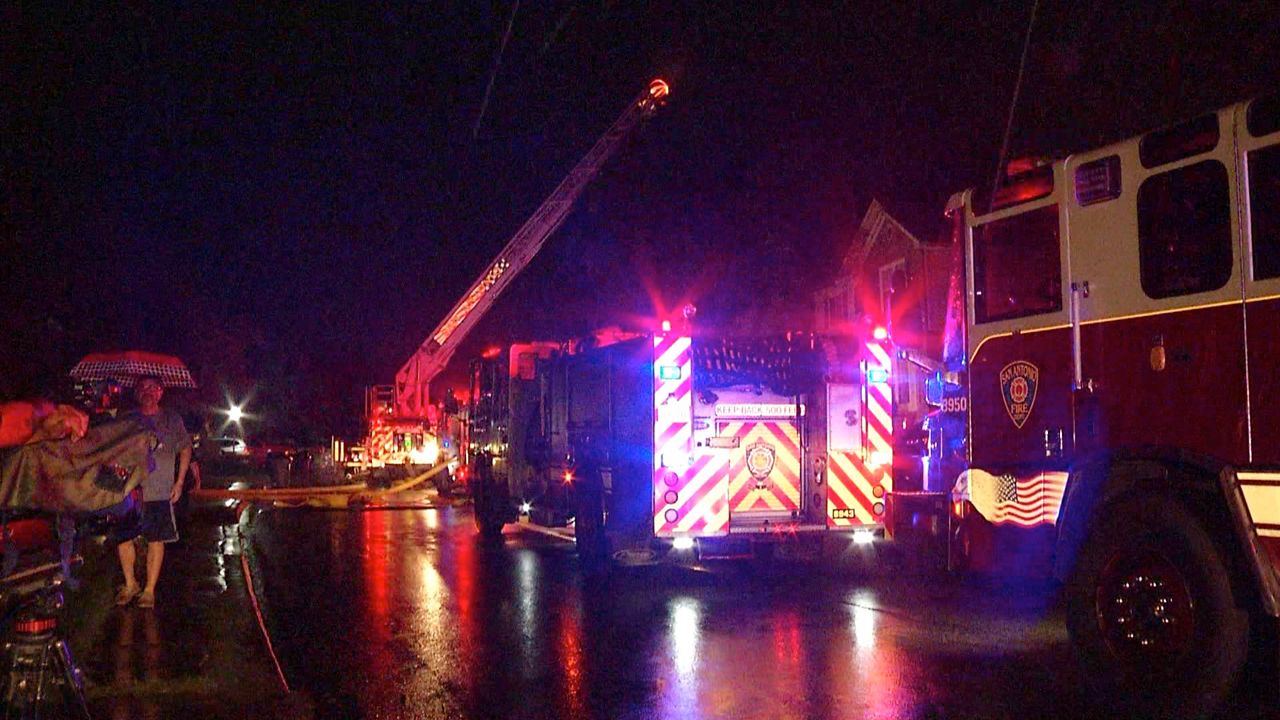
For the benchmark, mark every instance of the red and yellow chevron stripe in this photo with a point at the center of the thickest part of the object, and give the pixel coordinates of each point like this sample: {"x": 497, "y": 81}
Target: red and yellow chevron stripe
{"x": 702, "y": 506}
{"x": 858, "y": 481}
{"x": 779, "y": 490}
{"x": 688, "y": 492}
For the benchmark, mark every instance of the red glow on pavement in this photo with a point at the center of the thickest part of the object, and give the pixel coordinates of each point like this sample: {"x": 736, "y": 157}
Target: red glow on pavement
{"x": 786, "y": 638}
{"x": 572, "y": 665}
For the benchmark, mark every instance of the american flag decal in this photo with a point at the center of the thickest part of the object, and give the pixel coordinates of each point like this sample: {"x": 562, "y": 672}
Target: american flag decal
{"x": 1026, "y": 501}
{"x": 1007, "y": 492}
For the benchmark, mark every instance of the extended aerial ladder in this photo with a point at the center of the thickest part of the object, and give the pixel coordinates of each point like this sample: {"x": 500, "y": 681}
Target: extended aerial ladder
{"x": 411, "y": 397}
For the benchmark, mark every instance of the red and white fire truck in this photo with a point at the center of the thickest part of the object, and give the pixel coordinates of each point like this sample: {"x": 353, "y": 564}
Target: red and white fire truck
{"x": 404, "y": 429}
{"x": 674, "y": 440}
{"x": 1114, "y": 392}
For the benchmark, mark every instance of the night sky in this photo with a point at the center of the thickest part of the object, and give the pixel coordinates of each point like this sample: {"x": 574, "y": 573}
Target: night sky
{"x": 291, "y": 198}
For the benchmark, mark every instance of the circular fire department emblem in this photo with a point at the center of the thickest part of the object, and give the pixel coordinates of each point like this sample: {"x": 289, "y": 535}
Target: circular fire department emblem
{"x": 760, "y": 460}
{"x": 1018, "y": 381}
{"x": 1018, "y": 390}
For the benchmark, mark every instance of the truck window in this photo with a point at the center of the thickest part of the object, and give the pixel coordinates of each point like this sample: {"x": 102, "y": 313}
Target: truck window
{"x": 527, "y": 365}
{"x": 1264, "y": 115}
{"x": 1016, "y": 266}
{"x": 1184, "y": 230}
{"x": 1176, "y": 142}
{"x": 1264, "y": 211}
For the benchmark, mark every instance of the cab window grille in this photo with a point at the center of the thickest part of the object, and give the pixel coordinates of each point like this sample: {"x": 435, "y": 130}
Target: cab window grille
{"x": 1176, "y": 142}
{"x": 1264, "y": 115}
{"x": 1017, "y": 269}
{"x": 1184, "y": 230}
{"x": 1264, "y": 211}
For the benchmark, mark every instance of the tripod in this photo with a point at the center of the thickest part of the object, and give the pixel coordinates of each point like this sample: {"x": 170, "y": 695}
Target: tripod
{"x": 43, "y": 680}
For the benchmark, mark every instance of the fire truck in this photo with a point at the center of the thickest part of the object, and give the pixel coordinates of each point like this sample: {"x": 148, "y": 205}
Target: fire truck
{"x": 396, "y": 446}
{"x": 1111, "y": 398}
{"x": 675, "y": 441}
{"x": 404, "y": 429}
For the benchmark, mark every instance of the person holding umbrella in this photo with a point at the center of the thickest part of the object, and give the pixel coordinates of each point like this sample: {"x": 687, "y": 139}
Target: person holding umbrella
{"x": 160, "y": 491}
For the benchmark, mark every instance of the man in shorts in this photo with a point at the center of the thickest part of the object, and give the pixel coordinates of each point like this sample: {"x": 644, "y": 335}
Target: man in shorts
{"x": 160, "y": 490}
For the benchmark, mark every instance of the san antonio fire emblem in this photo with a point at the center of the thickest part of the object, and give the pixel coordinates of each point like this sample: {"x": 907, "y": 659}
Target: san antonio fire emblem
{"x": 760, "y": 461}
{"x": 1018, "y": 382}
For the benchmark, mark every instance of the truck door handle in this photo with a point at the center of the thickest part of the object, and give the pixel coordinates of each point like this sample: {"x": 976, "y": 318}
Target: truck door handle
{"x": 1053, "y": 442}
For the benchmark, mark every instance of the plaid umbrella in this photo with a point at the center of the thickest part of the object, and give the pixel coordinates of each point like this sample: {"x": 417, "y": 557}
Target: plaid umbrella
{"x": 126, "y": 367}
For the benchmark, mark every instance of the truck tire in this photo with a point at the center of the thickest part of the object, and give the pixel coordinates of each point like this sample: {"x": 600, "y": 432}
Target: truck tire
{"x": 444, "y": 484}
{"x": 487, "y": 510}
{"x": 588, "y": 522}
{"x": 1152, "y": 614}
{"x": 488, "y": 522}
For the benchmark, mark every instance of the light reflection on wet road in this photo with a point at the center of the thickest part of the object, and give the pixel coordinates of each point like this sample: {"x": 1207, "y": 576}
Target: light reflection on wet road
{"x": 406, "y": 614}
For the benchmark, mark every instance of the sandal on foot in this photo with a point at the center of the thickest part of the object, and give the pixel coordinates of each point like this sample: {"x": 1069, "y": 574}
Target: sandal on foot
{"x": 125, "y": 595}
{"x": 147, "y": 600}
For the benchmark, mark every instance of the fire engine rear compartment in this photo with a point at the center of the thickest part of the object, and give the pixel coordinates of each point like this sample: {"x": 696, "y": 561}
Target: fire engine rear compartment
{"x": 747, "y": 439}
{"x": 666, "y": 440}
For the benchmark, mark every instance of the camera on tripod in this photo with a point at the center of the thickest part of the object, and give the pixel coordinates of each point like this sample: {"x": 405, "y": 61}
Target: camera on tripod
{"x": 101, "y": 399}
{"x": 41, "y": 672}
{"x": 36, "y": 591}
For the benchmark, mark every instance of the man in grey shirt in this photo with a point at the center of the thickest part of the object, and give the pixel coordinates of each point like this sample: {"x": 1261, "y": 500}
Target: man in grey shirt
{"x": 160, "y": 490}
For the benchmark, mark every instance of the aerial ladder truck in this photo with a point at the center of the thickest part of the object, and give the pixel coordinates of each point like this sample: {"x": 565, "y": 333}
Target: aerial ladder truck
{"x": 403, "y": 428}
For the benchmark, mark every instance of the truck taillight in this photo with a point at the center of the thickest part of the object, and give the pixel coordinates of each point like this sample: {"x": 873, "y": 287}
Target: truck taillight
{"x": 880, "y": 333}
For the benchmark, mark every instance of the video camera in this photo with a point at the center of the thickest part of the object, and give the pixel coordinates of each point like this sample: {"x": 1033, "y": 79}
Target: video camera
{"x": 101, "y": 399}
{"x": 35, "y": 591}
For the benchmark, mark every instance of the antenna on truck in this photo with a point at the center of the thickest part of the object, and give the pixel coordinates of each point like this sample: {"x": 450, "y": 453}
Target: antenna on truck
{"x": 1013, "y": 103}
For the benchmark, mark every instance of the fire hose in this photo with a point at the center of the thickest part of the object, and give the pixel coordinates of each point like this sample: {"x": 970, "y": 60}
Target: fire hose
{"x": 330, "y": 496}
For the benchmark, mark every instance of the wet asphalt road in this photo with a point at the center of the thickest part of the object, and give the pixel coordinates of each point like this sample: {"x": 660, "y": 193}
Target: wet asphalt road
{"x": 405, "y": 613}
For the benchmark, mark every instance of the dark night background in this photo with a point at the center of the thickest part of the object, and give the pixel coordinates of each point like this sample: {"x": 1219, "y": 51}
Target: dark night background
{"x": 290, "y": 198}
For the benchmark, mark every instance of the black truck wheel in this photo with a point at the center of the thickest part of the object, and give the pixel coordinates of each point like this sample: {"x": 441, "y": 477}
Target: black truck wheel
{"x": 487, "y": 508}
{"x": 588, "y": 522}
{"x": 1152, "y": 614}
{"x": 490, "y": 527}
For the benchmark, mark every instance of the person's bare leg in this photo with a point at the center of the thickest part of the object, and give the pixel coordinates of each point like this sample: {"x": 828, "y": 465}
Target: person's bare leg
{"x": 155, "y": 558}
{"x": 125, "y": 551}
